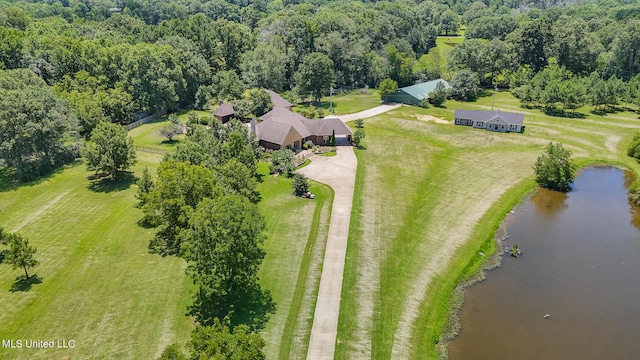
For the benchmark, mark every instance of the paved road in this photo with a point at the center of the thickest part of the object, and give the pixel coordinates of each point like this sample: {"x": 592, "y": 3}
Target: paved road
{"x": 339, "y": 172}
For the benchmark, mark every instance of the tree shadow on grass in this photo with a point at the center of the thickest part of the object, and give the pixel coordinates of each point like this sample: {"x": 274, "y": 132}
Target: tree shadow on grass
{"x": 563, "y": 113}
{"x": 106, "y": 185}
{"x": 251, "y": 308}
{"x": 8, "y": 180}
{"x": 610, "y": 110}
{"x": 23, "y": 285}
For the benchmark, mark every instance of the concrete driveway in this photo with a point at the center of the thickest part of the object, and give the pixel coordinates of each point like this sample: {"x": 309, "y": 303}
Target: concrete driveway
{"x": 369, "y": 112}
{"x": 339, "y": 172}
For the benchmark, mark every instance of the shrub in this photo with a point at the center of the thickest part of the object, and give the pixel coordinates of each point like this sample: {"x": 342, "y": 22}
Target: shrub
{"x": 424, "y": 103}
{"x": 634, "y": 148}
{"x": 307, "y": 145}
{"x": 282, "y": 162}
{"x": 358, "y": 135}
{"x": 289, "y": 169}
{"x": 300, "y": 184}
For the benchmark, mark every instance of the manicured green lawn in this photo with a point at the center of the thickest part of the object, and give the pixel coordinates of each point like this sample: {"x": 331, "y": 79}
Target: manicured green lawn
{"x": 347, "y": 103}
{"x": 101, "y": 287}
{"x": 148, "y": 135}
{"x": 428, "y": 197}
{"x": 297, "y": 231}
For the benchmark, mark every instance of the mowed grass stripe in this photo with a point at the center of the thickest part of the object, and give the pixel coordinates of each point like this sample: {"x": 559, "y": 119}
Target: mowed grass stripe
{"x": 467, "y": 174}
{"x": 300, "y": 317}
{"x": 100, "y": 286}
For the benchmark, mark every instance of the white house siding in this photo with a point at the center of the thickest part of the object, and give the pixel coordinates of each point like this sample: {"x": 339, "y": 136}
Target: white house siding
{"x": 497, "y": 125}
{"x": 479, "y": 124}
{"x": 461, "y": 121}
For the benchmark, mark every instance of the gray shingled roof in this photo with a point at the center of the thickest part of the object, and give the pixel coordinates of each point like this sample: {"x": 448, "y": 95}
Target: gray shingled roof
{"x": 484, "y": 115}
{"x": 326, "y": 126}
{"x": 275, "y": 125}
{"x": 225, "y": 109}
{"x": 278, "y": 101}
{"x": 288, "y": 117}
{"x": 273, "y": 131}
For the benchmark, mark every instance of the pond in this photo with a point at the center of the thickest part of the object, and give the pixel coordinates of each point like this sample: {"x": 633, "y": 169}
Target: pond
{"x": 580, "y": 265}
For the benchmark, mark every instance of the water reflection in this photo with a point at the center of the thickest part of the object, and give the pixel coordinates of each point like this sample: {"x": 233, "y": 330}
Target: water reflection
{"x": 581, "y": 265}
{"x": 548, "y": 202}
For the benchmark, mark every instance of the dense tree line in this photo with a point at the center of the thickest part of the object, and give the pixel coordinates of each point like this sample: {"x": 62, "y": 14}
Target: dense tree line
{"x": 112, "y": 58}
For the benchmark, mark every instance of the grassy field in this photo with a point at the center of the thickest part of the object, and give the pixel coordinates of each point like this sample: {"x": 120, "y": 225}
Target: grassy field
{"x": 100, "y": 287}
{"x": 148, "y": 135}
{"x": 429, "y": 196}
{"x": 347, "y": 103}
{"x": 444, "y": 45}
{"x": 297, "y": 233}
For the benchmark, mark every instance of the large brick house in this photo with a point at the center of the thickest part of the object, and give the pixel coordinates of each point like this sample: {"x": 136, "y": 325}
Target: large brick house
{"x": 283, "y": 128}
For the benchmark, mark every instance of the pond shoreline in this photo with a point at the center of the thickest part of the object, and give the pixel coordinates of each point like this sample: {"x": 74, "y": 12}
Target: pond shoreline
{"x": 494, "y": 259}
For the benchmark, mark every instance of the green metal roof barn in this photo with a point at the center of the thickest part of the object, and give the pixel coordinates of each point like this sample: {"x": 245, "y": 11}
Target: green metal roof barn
{"x": 411, "y": 95}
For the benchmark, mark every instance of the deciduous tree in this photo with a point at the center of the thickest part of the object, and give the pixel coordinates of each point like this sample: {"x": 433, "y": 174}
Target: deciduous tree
{"x": 223, "y": 249}
{"x": 110, "y": 150}
{"x": 20, "y": 254}
{"x": 554, "y": 169}
{"x": 387, "y": 87}
{"x": 219, "y": 342}
{"x": 465, "y": 85}
{"x": 260, "y": 101}
{"x": 178, "y": 189}
{"x": 37, "y": 130}
{"x": 314, "y": 76}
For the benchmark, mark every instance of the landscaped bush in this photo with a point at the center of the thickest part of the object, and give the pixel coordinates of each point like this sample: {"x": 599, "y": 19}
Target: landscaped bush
{"x": 282, "y": 162}
{"x": 308, "y": 145}
{"x": 300, "y": 184}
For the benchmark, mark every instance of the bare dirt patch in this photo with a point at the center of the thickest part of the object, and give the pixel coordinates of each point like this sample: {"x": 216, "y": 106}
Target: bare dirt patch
{"x": 432, "y": 118}
{"x": 612, "y": 142}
